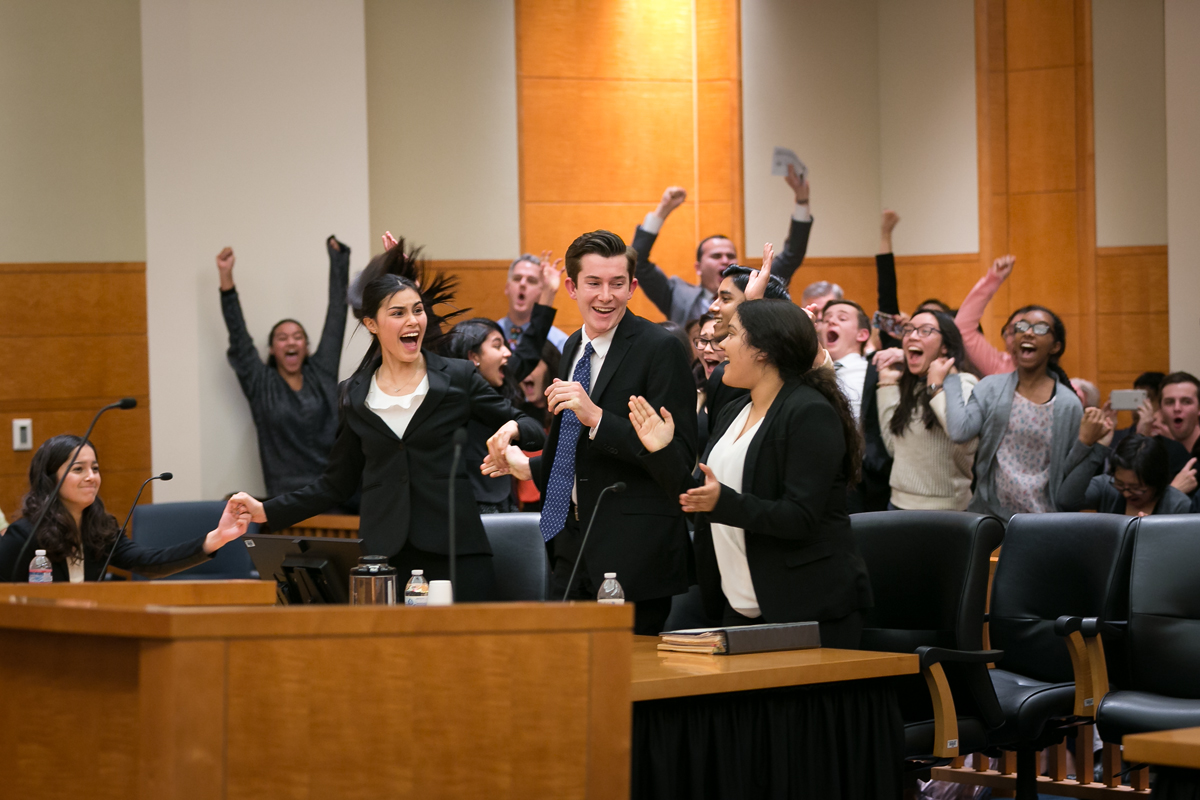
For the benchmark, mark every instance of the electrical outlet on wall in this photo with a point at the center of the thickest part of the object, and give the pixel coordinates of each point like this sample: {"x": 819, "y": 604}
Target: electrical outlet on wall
{"x": 22, "y": 434}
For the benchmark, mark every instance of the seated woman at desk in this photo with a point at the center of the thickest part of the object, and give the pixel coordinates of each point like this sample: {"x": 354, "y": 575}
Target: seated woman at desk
{"x": 398, "y": 415}
{"x": 773, "y": 540}
{"x": 77, "y": 533}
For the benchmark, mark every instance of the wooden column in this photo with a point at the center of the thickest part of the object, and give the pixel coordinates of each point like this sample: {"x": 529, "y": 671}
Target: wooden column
{"x": 1036, "y": 163}
{"x": 617, "y": 101}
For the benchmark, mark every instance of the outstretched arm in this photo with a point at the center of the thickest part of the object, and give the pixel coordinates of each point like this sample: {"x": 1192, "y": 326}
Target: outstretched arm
{"x": 528, "y": 351}
{"x": 243, "y": 355}
{"x": 652, "y": 280}
{"x": 329, "y": 351}
{"x": 796, "y": 245}
{"x": 986, "y": 358}
{"x": 885, "y": 276}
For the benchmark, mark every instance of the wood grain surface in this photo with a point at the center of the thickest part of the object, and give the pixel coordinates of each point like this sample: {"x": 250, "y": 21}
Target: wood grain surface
{"x": 142, "y": 593}
{"x": 1178, "y": 748}
{"x": 657, "y": 674}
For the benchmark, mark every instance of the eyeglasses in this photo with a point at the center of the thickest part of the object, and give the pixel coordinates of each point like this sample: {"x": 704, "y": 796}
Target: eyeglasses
{"x": 702, "y": 343}
{"x": 1125, "y": 488}
{"x": 1038, "y": 328}
{"x": 923, "y": 332}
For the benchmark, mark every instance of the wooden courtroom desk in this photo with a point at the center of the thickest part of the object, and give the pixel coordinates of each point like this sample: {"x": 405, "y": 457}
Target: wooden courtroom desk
{"x": 143, "y": 593}
{"x": 1178, "y": 748}
{"x": 514, "y": 700}
{"x": 658, "y": 674}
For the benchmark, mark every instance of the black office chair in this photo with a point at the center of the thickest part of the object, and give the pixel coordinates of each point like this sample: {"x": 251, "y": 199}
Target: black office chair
{"x": 166, "y": 524}
{"x": 929, "y": 573}
{"x": 518, "y": 555}
{"x": 1163, "y": 633}
{"x": 1051, "y": 565}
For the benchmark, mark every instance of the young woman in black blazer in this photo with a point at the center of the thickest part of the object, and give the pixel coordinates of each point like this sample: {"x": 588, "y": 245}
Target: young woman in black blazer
{"x": 399, "y": 412}
{"x": 776, "y": 546}
{"x": 77, "y": 532}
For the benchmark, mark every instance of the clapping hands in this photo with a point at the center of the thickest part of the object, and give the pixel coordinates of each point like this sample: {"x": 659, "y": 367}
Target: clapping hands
{"x": 655, "y": 432}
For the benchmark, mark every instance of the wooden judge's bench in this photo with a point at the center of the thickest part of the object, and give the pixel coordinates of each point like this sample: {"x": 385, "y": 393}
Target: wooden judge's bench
{"x": 157, "y": 690}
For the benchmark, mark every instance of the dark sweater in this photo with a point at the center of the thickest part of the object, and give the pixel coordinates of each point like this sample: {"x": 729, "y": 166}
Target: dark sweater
{"x": 296, "y": 430}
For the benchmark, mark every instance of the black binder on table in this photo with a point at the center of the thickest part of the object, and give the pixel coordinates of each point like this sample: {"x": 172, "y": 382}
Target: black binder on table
{"x": 741, "y": 639}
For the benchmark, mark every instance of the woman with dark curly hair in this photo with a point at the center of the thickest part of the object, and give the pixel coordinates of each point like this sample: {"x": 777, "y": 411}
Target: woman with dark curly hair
{"x": 773, "y": 540}
{"x": 929, "y": 471}
{"x": 77, "y": 532}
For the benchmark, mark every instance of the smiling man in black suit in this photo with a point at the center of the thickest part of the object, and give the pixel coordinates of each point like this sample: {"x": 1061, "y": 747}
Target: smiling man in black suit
{"x": 640, "y": 533}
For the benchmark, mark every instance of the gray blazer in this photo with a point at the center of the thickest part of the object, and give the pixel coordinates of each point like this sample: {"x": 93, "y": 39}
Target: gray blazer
{"x": 682, "y": 302}
{"x": 1072, "y": 463}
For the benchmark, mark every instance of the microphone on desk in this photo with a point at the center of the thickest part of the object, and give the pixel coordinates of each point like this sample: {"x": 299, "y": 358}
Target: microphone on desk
{"x": 166, "y": 476}
{"x": 616, "y": 488}
{"x": 123, "y": 404}
{"x": 460, "y": 439}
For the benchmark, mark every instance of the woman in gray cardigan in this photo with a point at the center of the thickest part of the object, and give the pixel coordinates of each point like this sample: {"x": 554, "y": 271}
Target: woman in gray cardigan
{"x": 1027, "y": 423}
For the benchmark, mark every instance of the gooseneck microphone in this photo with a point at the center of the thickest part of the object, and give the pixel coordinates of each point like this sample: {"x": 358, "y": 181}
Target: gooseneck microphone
{"x": 616, "y": 488}
{"x": 166, "y": 476}
{"x": 460, "y": 439}
{"x": 123, "y": 404}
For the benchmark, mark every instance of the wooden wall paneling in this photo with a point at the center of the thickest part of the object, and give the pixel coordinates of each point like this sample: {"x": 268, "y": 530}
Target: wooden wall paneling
{"x": 1131, "y": 280}
{"x": 73, "y": 339}
{"x": 1043, "y": 239}
{"x": 1041, "y": 130}
{"x": 1085, "y": 156}
{"x": 1040, "y": 33}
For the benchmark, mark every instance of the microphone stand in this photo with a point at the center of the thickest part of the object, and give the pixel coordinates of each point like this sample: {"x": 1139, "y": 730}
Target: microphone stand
{"x": 166, "y": 476}
{"x": 123, "y": 403}
{"x": 616, "y": 488}
{"x": 460, "y": 438}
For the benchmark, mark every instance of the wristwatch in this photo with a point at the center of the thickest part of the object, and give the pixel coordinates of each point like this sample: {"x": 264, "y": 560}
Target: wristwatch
{"x": 933, "y": 388}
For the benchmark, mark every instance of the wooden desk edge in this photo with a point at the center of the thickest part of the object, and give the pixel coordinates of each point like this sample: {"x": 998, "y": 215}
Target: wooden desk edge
{"x": 1177, "y": 748}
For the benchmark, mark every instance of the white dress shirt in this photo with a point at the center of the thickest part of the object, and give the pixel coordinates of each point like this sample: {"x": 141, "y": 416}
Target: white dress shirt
{"x": 727, "y": 461}
{"x": 397, "y": 411}
{"x": 600, "y": 347}
{"x": 851, "y": 373}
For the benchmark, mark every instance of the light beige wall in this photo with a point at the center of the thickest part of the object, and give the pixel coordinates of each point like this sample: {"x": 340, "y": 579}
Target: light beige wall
{"x": 877, "y": 97}
{"x": 928, "y": 164}
{"x": 256, "y": 137}
{"x": 442, "y": 125}
{"x": 1130, "y": 118}
{"x": 810, "y": 82}
{"x": 71, "y": 131}
{"x": 1182, "y": 25}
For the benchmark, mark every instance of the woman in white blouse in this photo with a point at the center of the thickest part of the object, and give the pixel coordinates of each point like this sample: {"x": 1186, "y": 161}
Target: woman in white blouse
{"x": 773, "y": 540}
{"x": 399, "y": 415}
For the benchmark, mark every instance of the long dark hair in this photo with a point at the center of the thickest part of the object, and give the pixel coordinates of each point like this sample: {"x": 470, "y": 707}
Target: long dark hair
{"x": 467, "y": 338}
{"x": 58, "y": 535}
{"x": 913, "y": 397}
{"x": 785, "y": 335}
{"x": 1058, "y": 331}
{"x": 400, "y": 268}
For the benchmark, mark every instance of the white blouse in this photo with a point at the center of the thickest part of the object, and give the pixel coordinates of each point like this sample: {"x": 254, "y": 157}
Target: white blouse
{"x": 727, "y": 461}
{"x": 397, "y": 411}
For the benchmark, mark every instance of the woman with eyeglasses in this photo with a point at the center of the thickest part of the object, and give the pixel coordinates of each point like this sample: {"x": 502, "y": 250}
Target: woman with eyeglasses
{"x": 1138, "y": 482}
{"x": 929, "y": 470}
{"x": 1027, "y": 422}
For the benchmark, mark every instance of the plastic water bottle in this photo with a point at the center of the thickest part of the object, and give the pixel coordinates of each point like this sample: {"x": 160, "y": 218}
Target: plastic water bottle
{"x": 610, "y": 592}
{"x": 39, "y": 568}
{"x": 416, "y": 591}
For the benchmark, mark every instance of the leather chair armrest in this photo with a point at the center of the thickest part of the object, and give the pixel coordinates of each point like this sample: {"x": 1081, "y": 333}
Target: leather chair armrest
{"x": 936, "y": 655}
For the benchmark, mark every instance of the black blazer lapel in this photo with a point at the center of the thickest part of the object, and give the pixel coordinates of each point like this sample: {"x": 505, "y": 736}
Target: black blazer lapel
{"x": 568, "y": 352}
{"x": 439, "y": 384}
{"x": 621, "y": 344}
{"x": 359, "y": 388}
{"x": 756, "y": 443}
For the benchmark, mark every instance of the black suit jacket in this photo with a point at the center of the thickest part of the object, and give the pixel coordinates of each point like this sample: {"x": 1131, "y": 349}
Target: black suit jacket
{"x": 873, "y": 492}
{"x": 803, "y": 559}
{"x": 151, "y": 562}
{"x": 640, "y": 534}
{"x": 405, "y": 482}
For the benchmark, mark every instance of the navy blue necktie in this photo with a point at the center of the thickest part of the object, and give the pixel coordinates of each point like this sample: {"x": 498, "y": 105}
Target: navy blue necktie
{"x": 562, "y": 473}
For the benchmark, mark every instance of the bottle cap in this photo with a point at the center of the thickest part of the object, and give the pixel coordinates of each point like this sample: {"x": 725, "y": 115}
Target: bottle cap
{"x": 418, "y": 572}
{"x": 608, "y": 575}
{"x": 39, "y": 553}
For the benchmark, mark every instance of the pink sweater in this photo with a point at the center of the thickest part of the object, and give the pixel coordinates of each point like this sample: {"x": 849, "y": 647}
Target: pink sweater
{"x": 987, "y": 359}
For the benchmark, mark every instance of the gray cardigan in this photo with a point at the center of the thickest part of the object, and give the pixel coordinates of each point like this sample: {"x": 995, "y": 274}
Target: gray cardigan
{"x": 1072, "y": 463}
{"x": 1101, "y": 496}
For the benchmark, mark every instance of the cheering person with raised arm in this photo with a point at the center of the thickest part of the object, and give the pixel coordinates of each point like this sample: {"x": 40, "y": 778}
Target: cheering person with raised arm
{"x": 773, "y": 540}
{"x": 399, "y": 412}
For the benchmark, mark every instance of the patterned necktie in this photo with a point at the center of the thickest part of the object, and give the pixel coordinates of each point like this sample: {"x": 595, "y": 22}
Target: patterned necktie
{"x": 514, "y": 335}
{"x": 562, "y": 473}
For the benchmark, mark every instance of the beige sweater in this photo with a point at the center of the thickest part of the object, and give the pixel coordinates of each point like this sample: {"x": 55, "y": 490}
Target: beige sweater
{"x": 929, "y": 471}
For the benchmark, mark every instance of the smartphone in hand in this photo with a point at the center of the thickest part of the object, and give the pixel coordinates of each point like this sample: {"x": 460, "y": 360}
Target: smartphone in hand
{"x": 1127, "y": 399}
